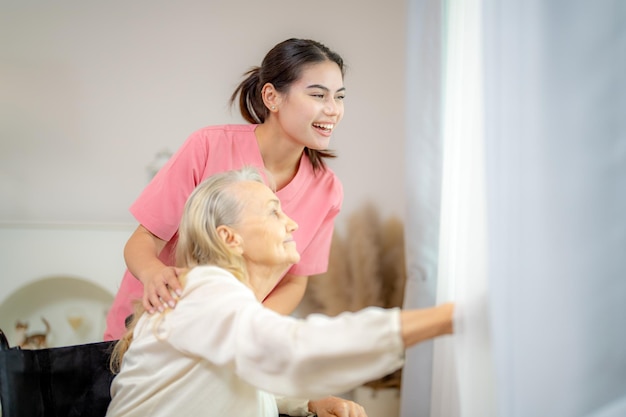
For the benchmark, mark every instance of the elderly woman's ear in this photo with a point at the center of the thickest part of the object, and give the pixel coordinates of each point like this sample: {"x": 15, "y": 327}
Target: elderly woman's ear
{"x": 230, "y": 238}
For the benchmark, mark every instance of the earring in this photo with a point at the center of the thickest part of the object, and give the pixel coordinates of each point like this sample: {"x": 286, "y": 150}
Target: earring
{"x": 273, "y": 107}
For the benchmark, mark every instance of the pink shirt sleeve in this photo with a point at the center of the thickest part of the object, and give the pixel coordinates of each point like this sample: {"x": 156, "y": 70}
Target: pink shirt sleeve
{"x": 160, "y": 205}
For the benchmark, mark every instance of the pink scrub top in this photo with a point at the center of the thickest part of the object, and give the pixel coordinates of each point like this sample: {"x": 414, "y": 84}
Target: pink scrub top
{"x": 311, "y": 199}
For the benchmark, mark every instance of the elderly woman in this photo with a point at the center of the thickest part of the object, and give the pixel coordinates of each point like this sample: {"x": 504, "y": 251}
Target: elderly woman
{"x": 221, "y": 353}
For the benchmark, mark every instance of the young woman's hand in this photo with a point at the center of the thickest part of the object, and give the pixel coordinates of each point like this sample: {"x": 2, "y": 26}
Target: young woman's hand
{"x": 336, "y": 407}
{"x": 160, "y": 282}
{"x": 161, "y": 289}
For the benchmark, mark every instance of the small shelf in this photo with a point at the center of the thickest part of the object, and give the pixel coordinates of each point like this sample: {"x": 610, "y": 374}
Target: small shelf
{"x": 74, "y": 307}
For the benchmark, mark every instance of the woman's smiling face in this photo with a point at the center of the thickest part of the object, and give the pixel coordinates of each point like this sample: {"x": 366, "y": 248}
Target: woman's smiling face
{"x": 265, "y": 230}
{"x": 313, "y": 106}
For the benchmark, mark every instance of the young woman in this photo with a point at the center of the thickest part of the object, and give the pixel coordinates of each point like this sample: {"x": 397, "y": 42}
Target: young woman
{"x": 293, "y": 102}
{"x": 220, "y": 352}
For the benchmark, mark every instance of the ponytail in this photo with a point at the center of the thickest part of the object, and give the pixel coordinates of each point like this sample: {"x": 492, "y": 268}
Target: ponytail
{"x": 251, "y": 104}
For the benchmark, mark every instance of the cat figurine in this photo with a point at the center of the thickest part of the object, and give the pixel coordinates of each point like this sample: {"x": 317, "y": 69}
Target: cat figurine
{"x": 34, "y": 340}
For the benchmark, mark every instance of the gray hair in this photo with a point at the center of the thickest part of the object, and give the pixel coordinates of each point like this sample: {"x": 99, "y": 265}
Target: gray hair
{"x": 212, "y": 204}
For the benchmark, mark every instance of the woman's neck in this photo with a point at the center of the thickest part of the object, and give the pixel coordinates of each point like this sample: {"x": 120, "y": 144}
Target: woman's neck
{"x": 280, "y": 156}
{"x": 262, "y": 279}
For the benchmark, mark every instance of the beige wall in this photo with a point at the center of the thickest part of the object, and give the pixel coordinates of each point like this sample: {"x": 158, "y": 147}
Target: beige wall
{"x": 91, "y": 92}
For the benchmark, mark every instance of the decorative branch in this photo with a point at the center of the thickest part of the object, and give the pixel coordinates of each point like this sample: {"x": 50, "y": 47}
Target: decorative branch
{"x": 364, "y": 252}
{"x": 329, "y": 293}
{"x": 393, "y": 263}
{"x": 366, "y": 268}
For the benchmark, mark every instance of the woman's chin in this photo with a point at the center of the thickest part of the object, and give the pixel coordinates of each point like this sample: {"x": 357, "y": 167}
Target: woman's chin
{"x": 294, "y": 258}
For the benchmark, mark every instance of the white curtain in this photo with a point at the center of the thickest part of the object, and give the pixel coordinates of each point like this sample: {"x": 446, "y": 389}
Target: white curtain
{"x": 555, "y": 109}
{"x": 446, "y": 221}
{"x": 423, "y": 194}
{"x": 463, "y": 377}
{"x": 517, "y": 206}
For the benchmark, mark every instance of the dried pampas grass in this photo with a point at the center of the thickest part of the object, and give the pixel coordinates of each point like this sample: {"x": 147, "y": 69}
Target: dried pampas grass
{"x": 328, "y": 293}
{"x": 365, "y": 268}
{"x": 393, "y": 263}
{"x": 363, "y": 258}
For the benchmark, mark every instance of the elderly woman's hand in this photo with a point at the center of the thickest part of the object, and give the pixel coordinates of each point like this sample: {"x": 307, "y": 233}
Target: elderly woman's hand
{"x": 336, "y": 407}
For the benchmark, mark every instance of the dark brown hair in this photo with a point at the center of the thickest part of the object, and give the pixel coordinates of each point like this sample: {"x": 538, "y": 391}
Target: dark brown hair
{"x": 282, "y": 66}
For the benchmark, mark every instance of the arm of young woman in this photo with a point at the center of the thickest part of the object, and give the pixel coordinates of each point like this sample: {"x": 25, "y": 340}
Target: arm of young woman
{"x": 141, "y": 255}
{"x": 286, "y": 296}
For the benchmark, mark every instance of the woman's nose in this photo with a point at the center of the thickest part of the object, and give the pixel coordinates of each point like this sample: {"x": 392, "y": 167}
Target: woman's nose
{"x": 332, "y": 107}
{"x": 292, "y": 226}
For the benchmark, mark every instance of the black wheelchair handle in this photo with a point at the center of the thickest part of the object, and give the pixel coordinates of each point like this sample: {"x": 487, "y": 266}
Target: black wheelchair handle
{"x": 4, "y": 343}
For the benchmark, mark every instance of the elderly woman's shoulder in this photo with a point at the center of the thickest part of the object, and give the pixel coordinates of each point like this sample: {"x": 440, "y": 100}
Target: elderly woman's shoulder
{"x": 210, "y": 275}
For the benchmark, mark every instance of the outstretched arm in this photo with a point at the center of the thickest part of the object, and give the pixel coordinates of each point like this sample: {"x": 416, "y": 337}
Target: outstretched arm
{"x": 423, "y": 324}
{"x": 309, "y": 357}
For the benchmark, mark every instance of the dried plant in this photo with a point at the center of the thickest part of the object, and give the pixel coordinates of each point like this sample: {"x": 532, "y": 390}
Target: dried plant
{"x": 365, "y": 268}
{"x": 363, "y": 258}
{"x": 392, "y": 263}
{"x": 329, "y": 293}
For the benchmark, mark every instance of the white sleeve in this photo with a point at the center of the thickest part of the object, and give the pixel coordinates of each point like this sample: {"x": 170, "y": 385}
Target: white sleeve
{"x": 220, "y": 320}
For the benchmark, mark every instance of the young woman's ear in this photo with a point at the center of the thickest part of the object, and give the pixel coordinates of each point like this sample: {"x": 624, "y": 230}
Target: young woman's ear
{"x": 230, "y": 238}
{"x": 271, "y": 97}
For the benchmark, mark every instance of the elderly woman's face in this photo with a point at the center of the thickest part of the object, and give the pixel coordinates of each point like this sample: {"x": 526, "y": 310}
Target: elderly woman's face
{"x": 266, "y": 231}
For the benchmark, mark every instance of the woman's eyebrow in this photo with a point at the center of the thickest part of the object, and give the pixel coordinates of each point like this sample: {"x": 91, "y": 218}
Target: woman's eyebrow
{"x": 321, "y": 87}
